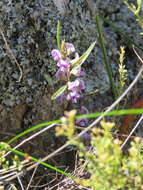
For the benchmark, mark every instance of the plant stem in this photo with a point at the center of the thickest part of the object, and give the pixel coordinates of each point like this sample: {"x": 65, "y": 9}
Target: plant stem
{"x": 106, "y": 60}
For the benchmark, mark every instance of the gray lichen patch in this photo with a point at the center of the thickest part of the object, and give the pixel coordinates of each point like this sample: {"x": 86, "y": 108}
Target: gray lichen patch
{"x": 30, "y": 29}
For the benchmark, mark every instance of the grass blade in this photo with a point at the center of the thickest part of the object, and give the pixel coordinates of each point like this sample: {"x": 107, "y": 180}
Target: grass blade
{"x": 91, "y": 115}
{"x": 58, "y": 35}
{"x": 106, "y": 60}
{"x": 38, "y": 161}
{"x": 59, "y": 92}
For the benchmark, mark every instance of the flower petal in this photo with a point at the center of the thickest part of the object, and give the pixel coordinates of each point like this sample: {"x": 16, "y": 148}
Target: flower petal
{"x": 70, "y": 48}
{"x": 56, "y": 54}
{"x": 63, "y": 63}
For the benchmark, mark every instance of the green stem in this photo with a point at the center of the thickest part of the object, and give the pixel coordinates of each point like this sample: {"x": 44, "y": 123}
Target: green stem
{"x": 91, "y": 115}
{"x": 106, "y": 60}
{"x": 39, "y": 161}
{"x": 32, "y": 129}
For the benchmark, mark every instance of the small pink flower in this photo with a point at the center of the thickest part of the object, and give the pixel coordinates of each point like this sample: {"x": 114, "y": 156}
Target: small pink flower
{"x": 70, "y": 48}
{"x": 83, "y": 122}
{"x": 61, "y": 73}
{"x": 56, "y": 54}
{"x": 77, "y": 85}
{"x": 64, "y": 66}
{"x": 63, "y": 63}
{"x": 77, "y": 71}
{"x": 73, "y": 96}
{"x": 61, "y": 98}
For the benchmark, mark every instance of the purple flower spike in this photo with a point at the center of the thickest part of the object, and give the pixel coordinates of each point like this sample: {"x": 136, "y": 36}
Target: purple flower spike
{"x": 56, "y": 54}
{"x": 70, "y": 48}
{"x": 77, "y": 71}
{"x": 83, "y": 122}
{"x": 81, "y": 84}
{"x": 77, "y": 85}
{"x": 61, "y": 73}
{"x": 63, "y": 69}
{"x": 63, "y": 63}
{"x": 61, "y": 98}
{"x": 73, "y": 96}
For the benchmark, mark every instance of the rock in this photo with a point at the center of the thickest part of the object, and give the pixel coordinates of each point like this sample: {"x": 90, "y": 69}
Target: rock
{"x": 11, "y": 119}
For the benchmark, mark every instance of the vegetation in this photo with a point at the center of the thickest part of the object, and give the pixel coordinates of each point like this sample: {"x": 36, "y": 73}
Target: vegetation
{"x": 106, "y": 164}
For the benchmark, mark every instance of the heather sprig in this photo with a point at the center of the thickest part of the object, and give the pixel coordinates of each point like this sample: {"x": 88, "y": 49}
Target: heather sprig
{"x": 122, "y": 71}
{"x": 69, "y": 69}
{"x": 5, "y": 163}
{"x": 108, "y": 167}
{"x": 68, "y": 125}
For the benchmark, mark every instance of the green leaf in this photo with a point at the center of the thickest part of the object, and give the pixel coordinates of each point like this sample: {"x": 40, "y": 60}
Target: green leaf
{"x": 139, "y": 2}
{"x": 130, "y": 6}
{"x": 84, "y": 56}
{"x": 59, "y": 92}
{"x": 58, "y": 35}
{"x": 133, "y": 8}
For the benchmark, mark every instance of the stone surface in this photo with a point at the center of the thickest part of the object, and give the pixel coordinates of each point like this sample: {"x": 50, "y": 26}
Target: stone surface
{"x": 11, "y": 119}
{"x": 30, "y": 30}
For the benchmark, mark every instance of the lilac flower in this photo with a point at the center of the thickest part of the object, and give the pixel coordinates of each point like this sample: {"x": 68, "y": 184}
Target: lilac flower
{"x": 81, "y": 84}
{"x": 77, "y": 71}
{"x": 70, "y": 48}
{"x": 77, "y": 85}
{"x": 61, "y": 97}
{"x": 86, "y": 137}
{"x": 75, "y": 89}
{"x": 63, "y": 64}
{"x": 73, "y": 96}
{"x": 83, "y": 122}
{"x": 56, "y": 54}
{"x": 66, "y": 67}
{"x": 62, "y": 73}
